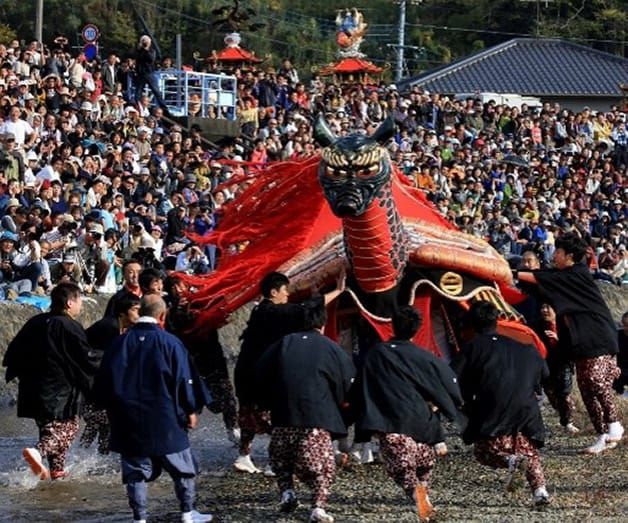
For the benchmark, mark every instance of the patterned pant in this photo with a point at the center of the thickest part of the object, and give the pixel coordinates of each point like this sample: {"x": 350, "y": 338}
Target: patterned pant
{"x": 96, "y": 424}
{"x": 564, "y": 405}
{"x": 252, "y": 421}
{"x": 407, "y": 462}
{"x": 495, "y": 453}
{"x": 558, "y": 392}
{"x": 223, "y": 398}
{"x": 306, "y": 453}
{"x": 55, "y": 438}
{"x": 595, "y": 381}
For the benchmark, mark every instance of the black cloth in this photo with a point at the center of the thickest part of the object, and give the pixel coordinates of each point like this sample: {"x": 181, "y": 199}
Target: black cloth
{"x": 102, "y": 334}
{"x": 148, "y": 388}
{"x": 55, "y": 366}
{"x": 303, "y": 380}
{"x": 499, "y": 379}
{"x": 395, "y": 391}
{"x": 579, "y": 305}
{"x": 205, "y": 350}
{"x": 145, "y": 61}
{"x": 268, "y": 323}
{"x": 622, "y": 362}
{"x": 622, "y": 356}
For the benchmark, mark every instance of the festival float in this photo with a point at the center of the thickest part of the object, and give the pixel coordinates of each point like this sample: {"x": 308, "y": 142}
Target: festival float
{"x": 352, "y": 67}
{"x": 351, "y": 209}
{"x": 232, "y": 19}
{"x": 233, "y": 57}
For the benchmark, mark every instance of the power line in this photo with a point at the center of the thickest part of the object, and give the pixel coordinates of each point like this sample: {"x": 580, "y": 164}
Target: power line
{"x": 326, "y": 53}
{"x": 506, "y": 33}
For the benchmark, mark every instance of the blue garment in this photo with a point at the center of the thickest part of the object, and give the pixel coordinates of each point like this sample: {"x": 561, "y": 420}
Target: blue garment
{"x": 149, "y": 389}
{"x": 136, "y": 471}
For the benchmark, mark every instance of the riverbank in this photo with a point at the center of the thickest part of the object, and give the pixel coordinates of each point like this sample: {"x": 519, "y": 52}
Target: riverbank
{"x": 584, "y": 488}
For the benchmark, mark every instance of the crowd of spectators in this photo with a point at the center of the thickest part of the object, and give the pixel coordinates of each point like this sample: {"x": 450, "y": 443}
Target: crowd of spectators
{"x": 92, "y": 175}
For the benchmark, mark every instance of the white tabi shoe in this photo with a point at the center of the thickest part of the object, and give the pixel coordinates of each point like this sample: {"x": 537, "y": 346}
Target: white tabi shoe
{"x": 320, "y": 516}
{"x": 195, "y": 517}
{"x": 600, "y": 445}
{"x": 245, "y": 464}
{"x": 615, "y": 432}
{"x": 541, "y": 497}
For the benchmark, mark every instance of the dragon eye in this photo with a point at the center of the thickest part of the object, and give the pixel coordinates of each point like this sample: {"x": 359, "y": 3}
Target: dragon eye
{"x": 335, "y": 172}
{"x": 368, "y": 171}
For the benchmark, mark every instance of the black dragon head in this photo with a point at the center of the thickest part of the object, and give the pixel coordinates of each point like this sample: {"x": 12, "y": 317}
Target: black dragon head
{"x": 353, "y": 168}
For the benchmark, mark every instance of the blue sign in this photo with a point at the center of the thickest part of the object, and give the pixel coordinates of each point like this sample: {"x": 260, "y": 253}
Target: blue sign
{"x": 90, "y": 33}
{"x": 90, "y": 51}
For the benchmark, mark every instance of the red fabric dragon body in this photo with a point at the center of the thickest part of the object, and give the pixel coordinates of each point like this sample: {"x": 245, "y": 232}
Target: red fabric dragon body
{"x": 352, "y": 209}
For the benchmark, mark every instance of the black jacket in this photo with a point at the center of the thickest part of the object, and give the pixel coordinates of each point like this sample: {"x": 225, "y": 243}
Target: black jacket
{"x": 268, "y": 323}
{"x": 102, "y": 334}
{"x": 396, "y": 389}
{"x": 205, "y": 350}
{"x": 499, "y": 379}
{"x": 55, "y": 366}
{"x": 303, "y": 379}
{"x": 579, "y": 305}
{"x": 145, "y": 61}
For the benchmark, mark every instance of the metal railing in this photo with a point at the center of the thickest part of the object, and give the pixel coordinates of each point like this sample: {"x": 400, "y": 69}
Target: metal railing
{"x": 204, "y": 95}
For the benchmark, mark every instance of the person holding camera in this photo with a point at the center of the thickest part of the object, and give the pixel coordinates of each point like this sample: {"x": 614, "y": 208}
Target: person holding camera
{"x": 92, "y": 250}
{"x": 11, "y": 285}
{"x": 26, "y": 262}
{"x": 192, "y": 260}
{"x": 60, "y": 238}
{"x": 145, "y": 62}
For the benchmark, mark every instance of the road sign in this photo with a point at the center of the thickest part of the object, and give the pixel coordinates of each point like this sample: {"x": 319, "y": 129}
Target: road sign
{"x": 90, "y": 51}
{"x": 90, "y": 33}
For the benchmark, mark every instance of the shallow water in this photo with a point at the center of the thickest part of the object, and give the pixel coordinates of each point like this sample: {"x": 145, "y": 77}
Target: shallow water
{"x": 94, "y": 492}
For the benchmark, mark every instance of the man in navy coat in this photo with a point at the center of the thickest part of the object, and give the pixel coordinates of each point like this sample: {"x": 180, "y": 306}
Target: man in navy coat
{"x": 151, "y": 396}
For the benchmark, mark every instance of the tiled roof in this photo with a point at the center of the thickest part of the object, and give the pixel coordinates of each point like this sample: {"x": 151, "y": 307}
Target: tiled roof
{"x": 351, "y": 65}
{"x": 529, "y": 66}
{"x": 235, "y": 54}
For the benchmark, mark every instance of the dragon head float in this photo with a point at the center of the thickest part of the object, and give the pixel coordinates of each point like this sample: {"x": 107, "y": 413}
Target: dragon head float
{"x": 354, "y": 168}
{"x": 351, "y": 208}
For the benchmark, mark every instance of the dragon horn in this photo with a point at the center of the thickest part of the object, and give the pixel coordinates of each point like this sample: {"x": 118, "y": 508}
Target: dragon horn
{"x": 322, "y": 133}
{"x": 385, "y": 131}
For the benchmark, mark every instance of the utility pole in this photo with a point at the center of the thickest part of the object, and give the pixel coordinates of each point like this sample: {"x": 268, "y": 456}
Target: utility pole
{"x": 39, "y": 21}
{"x": 537, "y": 30}
{"x": 402, "y": 39}
{"x": 401, "y": 42}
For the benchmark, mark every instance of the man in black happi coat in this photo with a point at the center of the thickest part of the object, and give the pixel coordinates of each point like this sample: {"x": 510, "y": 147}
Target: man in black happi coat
{"x": 500, "y": 379}
{"x": 398, "y": 397}
{"x": 270, "y": 320}
{"x": 303, "y": 380}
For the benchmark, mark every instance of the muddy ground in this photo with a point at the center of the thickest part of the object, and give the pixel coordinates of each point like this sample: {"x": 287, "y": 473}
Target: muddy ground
{"x": 584, "y": 488}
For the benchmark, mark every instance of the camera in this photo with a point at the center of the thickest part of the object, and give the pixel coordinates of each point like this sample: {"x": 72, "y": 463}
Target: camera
{"x": 146, "y": 257}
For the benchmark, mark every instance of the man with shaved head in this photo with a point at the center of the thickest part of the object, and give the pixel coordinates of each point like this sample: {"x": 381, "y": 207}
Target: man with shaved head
{"x": 152, "y": 396}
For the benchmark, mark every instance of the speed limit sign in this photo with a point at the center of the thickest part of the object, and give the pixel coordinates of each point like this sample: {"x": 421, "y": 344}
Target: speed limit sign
{"x": 90, "y": 33}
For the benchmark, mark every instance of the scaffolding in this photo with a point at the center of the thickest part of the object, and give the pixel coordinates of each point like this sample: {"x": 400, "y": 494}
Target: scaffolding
{"x": 202, "y": 95}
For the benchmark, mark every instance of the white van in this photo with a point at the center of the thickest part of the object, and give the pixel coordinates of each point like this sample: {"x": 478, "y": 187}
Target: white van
{"x": 511, "y": 100}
